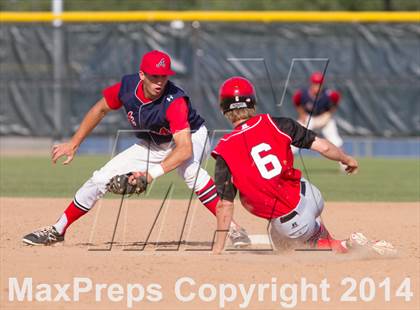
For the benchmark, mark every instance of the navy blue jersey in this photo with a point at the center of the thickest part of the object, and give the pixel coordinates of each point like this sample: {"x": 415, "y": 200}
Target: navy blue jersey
{"x": 152, "y": 116}
{"x": 324, "y": 102}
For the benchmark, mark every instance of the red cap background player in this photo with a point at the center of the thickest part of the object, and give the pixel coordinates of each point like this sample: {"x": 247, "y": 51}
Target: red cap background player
{"x": 316, "y": 105}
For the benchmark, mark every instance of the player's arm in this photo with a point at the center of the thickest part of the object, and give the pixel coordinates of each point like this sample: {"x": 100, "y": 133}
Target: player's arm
{"x": 305, "y": 138}
{"x": 224, "y": 209}
{"x": 91, "y": 119}
{"x": 300, "y": 135}
{"x": 224, "y": 215}
{"x": 321, "y": 120}
{"x": 177, "y": 117}
{"x": 334, "y": 97}
{"x": 330, "y": 151}
{"x": 181, "y": 152}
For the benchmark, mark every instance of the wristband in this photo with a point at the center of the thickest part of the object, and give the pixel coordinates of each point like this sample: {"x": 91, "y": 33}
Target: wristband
{"x": 156, "y": 171}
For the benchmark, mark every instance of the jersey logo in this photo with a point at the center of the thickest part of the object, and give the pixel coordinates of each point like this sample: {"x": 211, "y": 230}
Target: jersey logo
{"x": 161, "y": 63}
{"x": 169, "y": 98}
{"x": 131, "y": 119}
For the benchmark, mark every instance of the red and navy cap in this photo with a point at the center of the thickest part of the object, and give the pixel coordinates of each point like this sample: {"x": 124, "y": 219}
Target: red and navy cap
{"x": 317, "y": 78}
{"x": 236, "y": 93}
{"x": 156, "y": 63}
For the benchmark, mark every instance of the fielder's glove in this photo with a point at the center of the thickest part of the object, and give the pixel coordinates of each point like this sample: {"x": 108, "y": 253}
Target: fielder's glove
{"x": 120, "y": 184}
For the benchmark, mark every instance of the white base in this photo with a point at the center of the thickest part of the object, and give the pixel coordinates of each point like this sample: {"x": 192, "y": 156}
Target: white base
{"x": 260, "y": 239}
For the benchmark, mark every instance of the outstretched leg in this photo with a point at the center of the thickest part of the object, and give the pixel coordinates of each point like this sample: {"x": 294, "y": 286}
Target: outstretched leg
{"x": 323, "y": 240}
{"x": 132, "y": 159}
{"x": 304, "y": 225}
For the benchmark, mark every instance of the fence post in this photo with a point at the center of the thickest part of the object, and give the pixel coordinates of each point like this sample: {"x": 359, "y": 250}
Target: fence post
{"x": 58, "y": 69}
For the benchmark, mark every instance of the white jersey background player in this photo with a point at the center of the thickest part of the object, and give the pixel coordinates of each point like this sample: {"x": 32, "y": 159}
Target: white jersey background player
{"x": 175, "y": 138}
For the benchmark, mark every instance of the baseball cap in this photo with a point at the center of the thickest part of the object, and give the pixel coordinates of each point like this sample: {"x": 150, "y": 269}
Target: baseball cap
{"x": 317, "y": 77}
{"x": 156, "y": 63}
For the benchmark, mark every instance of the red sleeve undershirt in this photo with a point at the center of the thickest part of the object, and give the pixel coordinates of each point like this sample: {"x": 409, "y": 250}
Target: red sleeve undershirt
{"x": 176, "y": 114}
{"x": 297, "y": 97}
{"x": 111, "y": 96}
{"x": 334, "y": 96}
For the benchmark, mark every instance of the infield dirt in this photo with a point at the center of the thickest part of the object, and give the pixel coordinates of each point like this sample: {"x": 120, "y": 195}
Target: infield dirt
{"x": 395, "y": 222}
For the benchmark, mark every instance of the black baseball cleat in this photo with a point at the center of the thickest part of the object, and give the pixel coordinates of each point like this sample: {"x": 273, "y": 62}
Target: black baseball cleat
{"x": 44, "y": 236}
{"x": 239, "y": 237}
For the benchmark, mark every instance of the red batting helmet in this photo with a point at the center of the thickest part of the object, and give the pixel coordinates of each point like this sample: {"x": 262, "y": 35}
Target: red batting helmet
{"x": 317, "y": 77}
{"x": 156, "y": 63}
{"x": 236, "y": 93}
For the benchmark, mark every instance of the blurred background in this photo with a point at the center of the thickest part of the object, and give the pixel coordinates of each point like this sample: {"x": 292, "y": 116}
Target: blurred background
{"x": 52, "y": 72}
{"x": 300, "y": 5}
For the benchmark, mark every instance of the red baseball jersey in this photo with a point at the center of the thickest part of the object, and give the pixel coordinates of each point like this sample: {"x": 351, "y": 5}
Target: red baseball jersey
{"x": 260, "y": 161}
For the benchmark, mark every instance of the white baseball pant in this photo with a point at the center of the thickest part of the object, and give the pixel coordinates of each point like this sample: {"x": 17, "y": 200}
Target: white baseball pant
{"x": 307, "y": 220}
{"x": 141, "y": 157}
{"x": 330, "y": 132}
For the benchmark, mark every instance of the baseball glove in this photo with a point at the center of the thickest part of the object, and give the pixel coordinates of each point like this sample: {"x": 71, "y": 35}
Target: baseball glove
{"x": 120, "y": 184}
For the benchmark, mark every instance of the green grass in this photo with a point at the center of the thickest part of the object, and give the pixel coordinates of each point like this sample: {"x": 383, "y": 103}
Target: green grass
{"x": 377, "y": 180}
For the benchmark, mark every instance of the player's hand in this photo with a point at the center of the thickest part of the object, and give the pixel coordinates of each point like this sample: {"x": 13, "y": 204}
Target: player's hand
{"x": 217, "y": 250}
{"x": 136, "y": 174}
{"x": 351, "y": 165}
{"x": 148, "y": 177}
{"x": 63, "y": 149}
{"x": 132, "y": 179}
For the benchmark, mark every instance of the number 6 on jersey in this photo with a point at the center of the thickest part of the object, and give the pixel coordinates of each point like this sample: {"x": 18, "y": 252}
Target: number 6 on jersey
{"x": 262, "y": 162}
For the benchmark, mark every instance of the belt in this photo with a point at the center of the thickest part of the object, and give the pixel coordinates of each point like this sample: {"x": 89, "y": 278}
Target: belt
{"x": 292, "y": 214}
{"x": 288, "y": 217}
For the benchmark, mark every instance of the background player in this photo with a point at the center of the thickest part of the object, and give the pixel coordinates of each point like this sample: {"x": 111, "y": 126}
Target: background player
{"x": 322, "y": 103}
{"x": 175, "y": 138}
{"x": 257, "y": 160}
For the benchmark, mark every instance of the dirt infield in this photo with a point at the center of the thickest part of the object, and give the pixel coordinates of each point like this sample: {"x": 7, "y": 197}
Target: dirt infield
{"x": 146, "y": 277}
